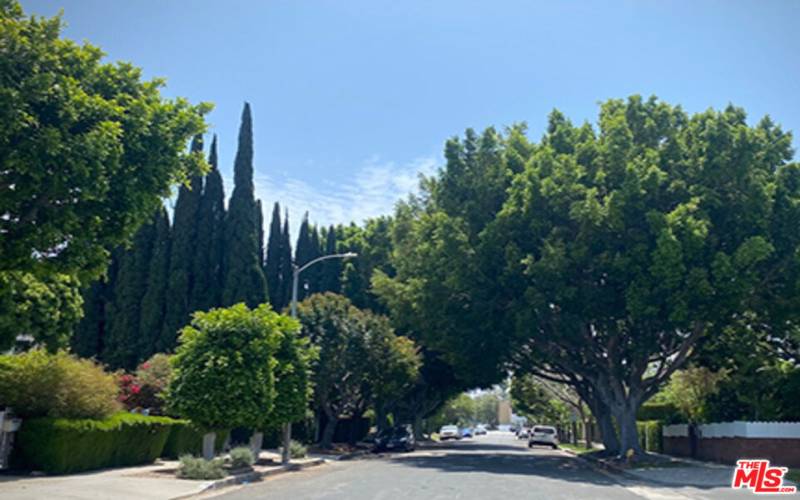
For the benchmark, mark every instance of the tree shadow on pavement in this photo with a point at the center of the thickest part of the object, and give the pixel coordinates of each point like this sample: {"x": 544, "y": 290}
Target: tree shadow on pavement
{"x": 555, "y": 467}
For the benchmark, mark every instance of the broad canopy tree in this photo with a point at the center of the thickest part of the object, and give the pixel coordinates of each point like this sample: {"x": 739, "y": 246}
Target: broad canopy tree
{"x": 599, "y": 258}
{"x": 360, "y": 359}
{"x": 87, "y": 152}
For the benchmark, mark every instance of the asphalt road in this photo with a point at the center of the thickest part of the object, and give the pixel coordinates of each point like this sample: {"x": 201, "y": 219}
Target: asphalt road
{"x": 493, "y": 466}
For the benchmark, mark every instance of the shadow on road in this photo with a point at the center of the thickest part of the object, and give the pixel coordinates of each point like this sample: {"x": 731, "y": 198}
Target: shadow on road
{"x": 505, "y": 459}
{"x": 470, "y": 446}
{"x": 561, "y": 468}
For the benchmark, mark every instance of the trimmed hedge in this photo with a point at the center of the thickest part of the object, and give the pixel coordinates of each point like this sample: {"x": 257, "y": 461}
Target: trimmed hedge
{"x": 60, "y": 446}
{"x": 650, "y": 435}
{"x": 186, "y": 438}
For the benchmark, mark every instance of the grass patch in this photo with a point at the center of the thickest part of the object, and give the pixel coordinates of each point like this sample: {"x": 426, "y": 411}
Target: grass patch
{"x": 576, "y": 448}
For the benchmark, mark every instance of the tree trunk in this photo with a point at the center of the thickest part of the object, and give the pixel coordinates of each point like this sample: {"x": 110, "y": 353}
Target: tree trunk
{"x": 381, "y": 418}
{"x": 629, "y": 436}
{"x": 608, "y": 434}
{"x": 418, "y": 434}
{"x": 256, "y": 441}
{"x": 587, "y": 433}
{"x": 327, "y": 433}
{"x": 208, "y": 445}
{"x": 287, "y": 443}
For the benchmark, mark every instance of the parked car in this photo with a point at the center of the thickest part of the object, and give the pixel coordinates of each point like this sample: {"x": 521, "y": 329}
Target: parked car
{"x": 400, "y": 437}
{"x": 449, "y": 432}
{"x": 467, "y": 432}
{"x": 480, "y": 430}
{"x": 522, "y": 433}
{"x": 544, "y": 435}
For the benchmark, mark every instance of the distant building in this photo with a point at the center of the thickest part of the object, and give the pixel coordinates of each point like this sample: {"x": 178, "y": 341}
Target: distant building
{"x": 503, "y": 412}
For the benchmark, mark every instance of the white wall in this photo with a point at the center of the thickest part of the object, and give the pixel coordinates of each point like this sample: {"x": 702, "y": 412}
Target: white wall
{"x": 775, "y": 430}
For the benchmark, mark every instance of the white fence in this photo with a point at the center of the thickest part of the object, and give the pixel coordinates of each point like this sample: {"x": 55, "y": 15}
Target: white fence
{"x": 771, "y": 430}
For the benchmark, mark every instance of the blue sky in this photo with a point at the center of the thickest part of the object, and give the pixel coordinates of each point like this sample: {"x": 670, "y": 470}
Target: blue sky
{"x": 352, "y": 98}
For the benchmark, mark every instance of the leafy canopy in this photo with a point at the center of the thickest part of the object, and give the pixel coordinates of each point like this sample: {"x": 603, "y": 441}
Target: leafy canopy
{"x": 87, "y": 149}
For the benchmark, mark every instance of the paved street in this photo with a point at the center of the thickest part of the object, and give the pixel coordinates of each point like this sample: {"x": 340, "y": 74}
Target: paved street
{"x": 493, "y": 466}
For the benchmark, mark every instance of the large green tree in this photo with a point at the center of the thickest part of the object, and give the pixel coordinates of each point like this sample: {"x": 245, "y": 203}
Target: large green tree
{"x": 600, "y": 257}
{"x": 341, "y": 370}
{"x": 243, "y": 276}
{"x": 394, "y": 365}
{"x": 87, "y": 149}
{"x": 224, "y": 367}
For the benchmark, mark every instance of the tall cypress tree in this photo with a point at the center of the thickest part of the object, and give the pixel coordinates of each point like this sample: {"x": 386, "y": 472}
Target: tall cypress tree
{"x": 286, "y": 264}
{"x": 182, "y": 253}
{"x": 207, "y": 289}
{"x": 303, "y": 254}
{"x": 331, "y": 268}
{"x": 260, "y": 229}
{"x": 315, "y": 271}
{"x": 244, "y": 279}
{"x": 151, "y": 322}
{"x": 88, "y": 339}
{"x": 272, "y": 266}
{"x": 122, "y": 343}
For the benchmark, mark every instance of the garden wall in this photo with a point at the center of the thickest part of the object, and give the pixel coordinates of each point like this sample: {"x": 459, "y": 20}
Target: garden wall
{"x": 727, "y": 442}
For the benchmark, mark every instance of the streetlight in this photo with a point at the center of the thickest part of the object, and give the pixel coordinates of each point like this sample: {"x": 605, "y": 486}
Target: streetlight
{"x": 296, "y": 270}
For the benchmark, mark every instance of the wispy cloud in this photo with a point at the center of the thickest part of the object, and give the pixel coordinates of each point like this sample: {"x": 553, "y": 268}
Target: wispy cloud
{"x": 372, "y": 190}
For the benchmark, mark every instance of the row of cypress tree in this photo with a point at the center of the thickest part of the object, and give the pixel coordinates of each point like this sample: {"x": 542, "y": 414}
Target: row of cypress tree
{"x": 207, "y": 257}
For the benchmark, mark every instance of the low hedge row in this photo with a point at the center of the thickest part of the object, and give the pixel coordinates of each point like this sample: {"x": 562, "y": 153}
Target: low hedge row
{"x": 650, "y": 435}
{"x": 59, "y": 446}
{"x": 187, "y": 438}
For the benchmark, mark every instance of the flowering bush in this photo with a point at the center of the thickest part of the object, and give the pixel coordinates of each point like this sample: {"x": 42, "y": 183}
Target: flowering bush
{"x": 144, "y": 388}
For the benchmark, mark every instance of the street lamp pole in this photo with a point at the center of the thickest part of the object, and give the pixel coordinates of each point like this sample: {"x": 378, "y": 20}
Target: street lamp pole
{"x": 296, "y": 270}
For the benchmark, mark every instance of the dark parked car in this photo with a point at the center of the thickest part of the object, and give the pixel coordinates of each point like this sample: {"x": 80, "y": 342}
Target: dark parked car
{"x": 395, "y": 438}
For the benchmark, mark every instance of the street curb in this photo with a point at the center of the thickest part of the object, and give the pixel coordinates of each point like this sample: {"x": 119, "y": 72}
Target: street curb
{"x": 352, "y": 455}
{"x": 250, "y": 477}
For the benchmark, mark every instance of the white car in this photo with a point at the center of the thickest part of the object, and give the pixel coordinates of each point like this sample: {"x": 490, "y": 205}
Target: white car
{"x": 544, "y": 435}
{"x": 523, "y": 432}
{"x": 449, "y": 432}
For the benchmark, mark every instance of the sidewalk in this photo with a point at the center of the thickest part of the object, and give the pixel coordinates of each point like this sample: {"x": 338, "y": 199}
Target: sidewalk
{"x": 674, "y": 471}
{"x": 685, "y": 473}
{"x": 156, "y": 482}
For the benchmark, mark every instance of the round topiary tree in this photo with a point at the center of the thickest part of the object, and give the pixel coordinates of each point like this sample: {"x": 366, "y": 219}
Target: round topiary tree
{"x": 224, "y": 368}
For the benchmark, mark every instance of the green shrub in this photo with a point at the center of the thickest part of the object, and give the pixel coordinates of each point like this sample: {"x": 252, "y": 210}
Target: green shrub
{"x": 186, "y": 438}
{"x": 297, "y": 449}
{"x": 666, "y": 412}
{"x": 650, "y": 435}
{"x": 242, "y": 457}
{"x": 198, "y": 468}
{"x": 60, "y": 446}
{"x": 38, "y": 384}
